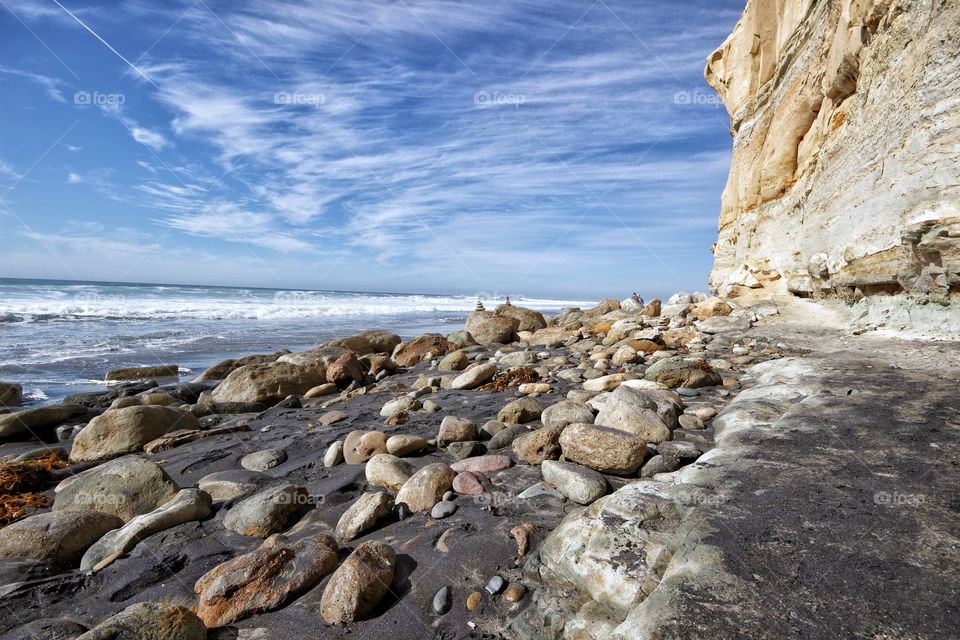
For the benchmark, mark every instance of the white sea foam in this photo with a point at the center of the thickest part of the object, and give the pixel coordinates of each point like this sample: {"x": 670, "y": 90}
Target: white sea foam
{"x": 281, "y": 305}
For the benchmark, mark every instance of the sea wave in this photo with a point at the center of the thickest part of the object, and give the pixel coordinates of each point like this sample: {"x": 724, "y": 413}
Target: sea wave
{"x": 283, "y": 305}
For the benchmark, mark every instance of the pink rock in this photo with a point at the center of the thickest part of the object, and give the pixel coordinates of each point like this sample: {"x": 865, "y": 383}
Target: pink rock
{"x": 467, "y": 484}
{"x": 483, "y": 464}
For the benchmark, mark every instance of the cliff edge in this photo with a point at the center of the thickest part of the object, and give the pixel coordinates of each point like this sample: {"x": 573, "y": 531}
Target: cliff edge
{"x": 845, "y": 179}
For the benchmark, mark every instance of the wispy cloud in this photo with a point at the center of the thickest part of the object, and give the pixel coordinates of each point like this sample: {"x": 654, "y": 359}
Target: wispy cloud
{"x": 50, "y": 86}
{"x": 424, "y": 134}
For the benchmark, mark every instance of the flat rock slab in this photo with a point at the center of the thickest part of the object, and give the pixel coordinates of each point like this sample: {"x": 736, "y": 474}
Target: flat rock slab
{"x": 827, "y": 510}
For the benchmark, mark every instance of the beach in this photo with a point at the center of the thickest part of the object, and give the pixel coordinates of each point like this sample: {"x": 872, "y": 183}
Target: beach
{"x": 61, "y": 337}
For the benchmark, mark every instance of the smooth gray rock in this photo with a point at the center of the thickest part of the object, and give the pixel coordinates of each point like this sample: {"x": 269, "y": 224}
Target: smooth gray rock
{"x": 266, "y": 512}
{"x": 576, "y": 482}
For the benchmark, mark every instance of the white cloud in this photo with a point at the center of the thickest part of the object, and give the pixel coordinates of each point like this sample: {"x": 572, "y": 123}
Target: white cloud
{"x": 50, "y": 86}
{"x": 73, "y": 178}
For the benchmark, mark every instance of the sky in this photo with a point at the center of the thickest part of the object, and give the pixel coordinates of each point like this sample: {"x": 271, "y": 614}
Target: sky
{"x": 539, "y": 148}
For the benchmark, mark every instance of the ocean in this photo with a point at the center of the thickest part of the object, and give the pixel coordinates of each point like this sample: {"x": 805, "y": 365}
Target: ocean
{"x": 61, "y": 337}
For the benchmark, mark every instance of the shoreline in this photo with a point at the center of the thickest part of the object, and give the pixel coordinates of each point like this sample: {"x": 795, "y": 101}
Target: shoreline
{"x": 525, "y": 482}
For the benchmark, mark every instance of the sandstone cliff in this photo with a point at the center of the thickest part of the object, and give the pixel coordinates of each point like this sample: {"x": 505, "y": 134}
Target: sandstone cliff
{"x": 845, "y": 177}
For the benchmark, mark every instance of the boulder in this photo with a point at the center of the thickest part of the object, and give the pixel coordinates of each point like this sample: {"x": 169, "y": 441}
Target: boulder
{"x": 462, "y": 339}
{"x": 678, "y": 372}
{"x": 520, "y": 411}
{"x": 223, "y": 486}
{"x": 333, "y": 455}
{"x": 723, "y": 324}
{"x": 483, "y": 464}
{"x": 59, "y": 538}
{"x": 652, "y": 309}
{"x": 11, "y": 395}
{"x": 527, "y": 319}
{"x": 356, "y": 588}
{"x": 125, "y": 487}
{"x": 345, "y": 370}
{"x": 467, "y": 484}
{"x": 128, "y": 430}
{"x": 363, "y": 515}
{"x": 269, "y": 383}
{"x": 149, "y": 621}
{"x": 566, "y": 412}
{"x": 505, "y": 437}
{"x": 487, "y": 327}
{"x": 426, "y": 487}
{"x": 359, "y": 446}
{"x": 473, "y": 378}
{"x": 454, "y": 361}
{"x": 144, "y": 373}
{"x": 633, "y": 411}
{"x": 399, "y": 405}
{"x": 536, "y": 446}
{"x": 266, "y": 512}
{"x": 605, "y": 383}
{"x": 372, "y": 341}
{"x": 188, "y": 505}
{"x": 607, "y": 553}
{"x": 12, "y": 424}
{"x": 422, "y": 348}
{"x": 404, "y": 445}
{"x": 711, "y": 307}
{"x": 263, "y": 460}
{"x": 224, "y": 368}
{"x": 320, "y": 358}
{"x": 603, "y": 308}
{"x": 265, "y": 579}
{"x": 603, "y": 449}
{"x": 387, "y": 471}
{"x": 453, "y": 429}
{"x": 576, "y": 482}
{"x": 325, "y": 389}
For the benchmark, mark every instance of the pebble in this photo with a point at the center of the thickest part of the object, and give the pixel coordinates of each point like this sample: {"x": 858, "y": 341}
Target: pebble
{"x": 515, "y": 592}
{"x": 473, "y": 601}
{"x": 495, "y": 585}
{"x": 441, "y": 601}
{"x": 687, "y": 393}
{"x": 334, "y": 454}
{"x": 449, "y": 495}
{"x": 467, "y": 484}
{"x": 443, "y": 509}
{"x": 522, "y": 533}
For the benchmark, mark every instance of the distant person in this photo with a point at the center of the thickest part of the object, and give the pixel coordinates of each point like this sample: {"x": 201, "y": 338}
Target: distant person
{"x": 636, "y": 298}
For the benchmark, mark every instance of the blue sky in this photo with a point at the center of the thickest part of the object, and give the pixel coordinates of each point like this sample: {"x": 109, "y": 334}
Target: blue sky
{"x": 537, "y": 148}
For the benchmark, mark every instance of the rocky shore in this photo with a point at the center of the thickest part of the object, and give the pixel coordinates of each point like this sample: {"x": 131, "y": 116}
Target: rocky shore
{"x": 441, "y": 486}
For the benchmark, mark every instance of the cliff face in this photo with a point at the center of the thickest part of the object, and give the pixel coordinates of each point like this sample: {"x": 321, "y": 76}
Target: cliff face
{"x": 846, "y": 168}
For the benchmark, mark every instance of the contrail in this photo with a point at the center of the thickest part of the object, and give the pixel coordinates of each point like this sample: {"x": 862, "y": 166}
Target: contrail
{"x": 105, "y": 43}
